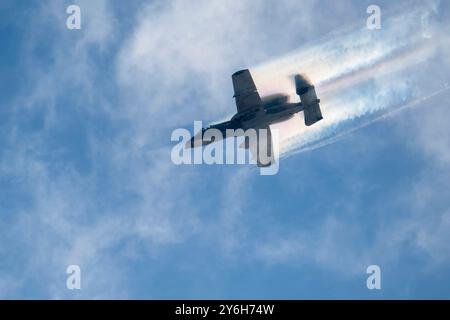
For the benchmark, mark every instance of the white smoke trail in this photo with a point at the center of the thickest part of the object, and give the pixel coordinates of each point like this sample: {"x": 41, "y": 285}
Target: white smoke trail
{"x": 358, "y": 75}
{"x": 416, "y": 103}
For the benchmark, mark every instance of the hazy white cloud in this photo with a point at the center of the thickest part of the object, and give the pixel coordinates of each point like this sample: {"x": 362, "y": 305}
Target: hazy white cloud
{"x": 174, "y": 66}
{"x": 180, "y": 43}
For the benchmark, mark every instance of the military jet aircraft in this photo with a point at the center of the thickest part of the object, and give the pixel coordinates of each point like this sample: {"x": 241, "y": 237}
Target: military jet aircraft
{"x": 254, "y": 112}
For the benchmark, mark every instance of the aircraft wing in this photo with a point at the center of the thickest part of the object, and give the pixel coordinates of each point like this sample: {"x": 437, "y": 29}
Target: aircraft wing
{"x": 261, "y": 150}
{"x": 245, "y": 92}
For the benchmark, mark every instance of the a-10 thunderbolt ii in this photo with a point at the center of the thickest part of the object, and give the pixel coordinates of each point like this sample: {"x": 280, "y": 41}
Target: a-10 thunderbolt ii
{"x": 254, "y": 112}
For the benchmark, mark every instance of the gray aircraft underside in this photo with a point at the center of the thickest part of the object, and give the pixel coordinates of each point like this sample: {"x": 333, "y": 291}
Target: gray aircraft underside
{"x": 254, "y": 112}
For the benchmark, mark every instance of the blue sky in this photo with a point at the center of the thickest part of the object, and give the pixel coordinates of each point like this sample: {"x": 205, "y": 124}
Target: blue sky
{"x": 86, "y": 176}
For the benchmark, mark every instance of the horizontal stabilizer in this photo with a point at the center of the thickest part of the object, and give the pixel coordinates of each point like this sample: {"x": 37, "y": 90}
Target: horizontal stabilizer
{"x": 312, "y": 114}
{"x": 311, "y": 106}
{"x": 308, "y": 97}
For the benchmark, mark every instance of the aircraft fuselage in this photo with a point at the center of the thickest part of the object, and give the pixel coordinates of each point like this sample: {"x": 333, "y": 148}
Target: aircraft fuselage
{"x": 257, "y": 113}
{"x": 267, "y": 116}
{"x": 274, "y": 109}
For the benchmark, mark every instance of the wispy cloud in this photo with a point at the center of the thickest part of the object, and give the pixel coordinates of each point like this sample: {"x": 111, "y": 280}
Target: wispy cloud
{"x": 108, "y": 196}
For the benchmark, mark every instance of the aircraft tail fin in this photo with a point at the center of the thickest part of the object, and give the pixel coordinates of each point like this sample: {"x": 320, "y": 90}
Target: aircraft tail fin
{"x": 308, "y": 97}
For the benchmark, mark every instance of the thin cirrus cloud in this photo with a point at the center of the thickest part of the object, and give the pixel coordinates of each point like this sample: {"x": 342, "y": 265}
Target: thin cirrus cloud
{"x": 119, "y": 200}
